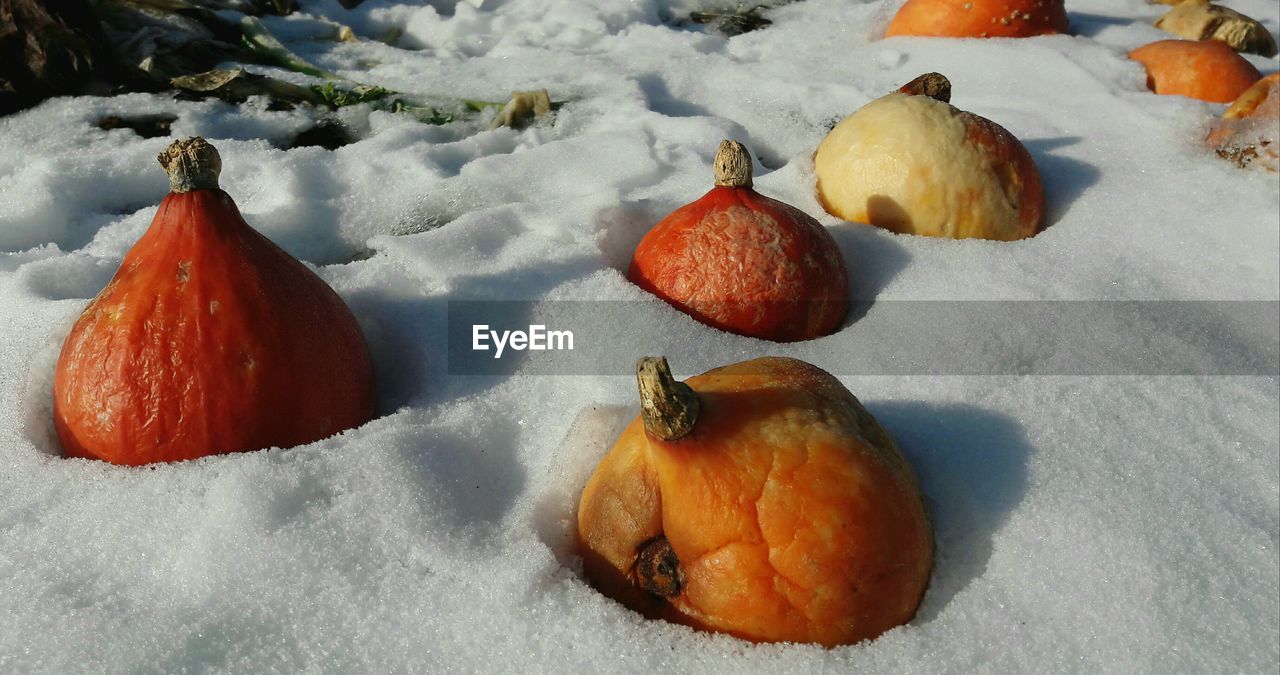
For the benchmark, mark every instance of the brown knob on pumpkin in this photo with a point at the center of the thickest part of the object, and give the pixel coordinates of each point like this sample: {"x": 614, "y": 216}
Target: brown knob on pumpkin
{"x": 669, "y": 408}
{"x": 192, "y": 164}
{"x": 934, "y": 85}
{"x": 733, "y": 165}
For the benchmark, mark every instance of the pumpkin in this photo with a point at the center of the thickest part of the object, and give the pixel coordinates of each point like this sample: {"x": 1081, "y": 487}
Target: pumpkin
{"x": 759, "y": 499}
{"x": 1210, "y": 70}
{"x": 742, "y": 262}
{"x": 912, "y": 163}
{"x": 979, "y": 18}
{"x": 208, "y": 339}
{"x": 1249, "y": 131}
{"x": 1202, "y": 20}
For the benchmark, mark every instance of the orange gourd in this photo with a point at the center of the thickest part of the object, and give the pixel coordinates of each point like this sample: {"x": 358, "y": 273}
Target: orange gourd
{"x": 758, "y": 499}
{"x": 209, "y": 339}
{"x": 1209, "y": 70}
{"x": 742, "y": 262}
{"x": 1249, "y": 131}
{"x": 1251, "y": 102}
{"x": 979, "y": 18}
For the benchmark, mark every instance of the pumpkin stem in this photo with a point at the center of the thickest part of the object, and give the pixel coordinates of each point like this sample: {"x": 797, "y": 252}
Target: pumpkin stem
{"x": 669, "y": 408}
{"x": 934, "y": 85}
{"x": 192, "y": 164}
{"x": 733, "y": 165}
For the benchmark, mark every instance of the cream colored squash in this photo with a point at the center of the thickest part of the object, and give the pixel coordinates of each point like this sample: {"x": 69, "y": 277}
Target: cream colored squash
{"x": 912, "y": 164}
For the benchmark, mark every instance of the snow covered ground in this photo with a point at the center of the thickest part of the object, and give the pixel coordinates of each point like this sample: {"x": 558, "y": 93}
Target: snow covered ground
{"x": 1123, "y": 523}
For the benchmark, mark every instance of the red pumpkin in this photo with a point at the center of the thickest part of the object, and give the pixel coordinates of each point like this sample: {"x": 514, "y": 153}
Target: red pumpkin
{"x": 209, "y": 339}
{"x": 742, "y": 262}
{"x": 979, "y": 18}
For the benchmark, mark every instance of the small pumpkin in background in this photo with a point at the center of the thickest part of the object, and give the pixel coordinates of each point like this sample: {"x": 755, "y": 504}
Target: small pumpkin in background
{"x": 1209, "y": 71}
{"x": 979, "y": 18}
{"x": 1203, "y": 20}
{"x": 744, "y": 263}
{"x": 209, "y": 339}
{"x": 759, "y": 499}
{"x": 1249, "y": 131}
{"x": 912, "y": 163}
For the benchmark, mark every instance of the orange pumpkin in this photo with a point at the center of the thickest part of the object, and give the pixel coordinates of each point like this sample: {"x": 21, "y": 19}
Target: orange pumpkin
{"x": 1209, "y": 70}
{"x": 742, "y": 262}
{"x": 209, "y": 339}
{"x": 1249, "y": 131}
{"x": 758, "y": 499}
{"x": 1250, "y": 103}
{"x": 912, "y": 163}
{"x": 979, "y": 18}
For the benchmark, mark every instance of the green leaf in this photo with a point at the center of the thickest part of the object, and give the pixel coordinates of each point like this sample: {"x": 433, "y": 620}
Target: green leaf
{"x": 257, "y": 38}
{"x": 338, "y": 98}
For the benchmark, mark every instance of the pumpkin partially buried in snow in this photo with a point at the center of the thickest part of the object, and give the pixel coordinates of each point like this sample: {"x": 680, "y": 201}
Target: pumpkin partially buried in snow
{"x": 739, "y": 261}
{"x": 912, "y": 163}
{"x": 979, "y": 18}
{"x": 1209, "y": 71}
{"x": 1249, "y": 131}
{"x": 209, "y": 339}
{"x": 759, "y": 499}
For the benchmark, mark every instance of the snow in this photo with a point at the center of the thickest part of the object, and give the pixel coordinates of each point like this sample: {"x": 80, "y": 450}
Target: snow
{"x": 1126, "y": 522}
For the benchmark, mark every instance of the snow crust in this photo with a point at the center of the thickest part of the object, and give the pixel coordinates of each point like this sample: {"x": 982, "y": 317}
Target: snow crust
{"x": 1126, "y": 524}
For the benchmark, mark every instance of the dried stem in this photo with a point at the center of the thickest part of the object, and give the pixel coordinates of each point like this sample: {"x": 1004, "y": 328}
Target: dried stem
{"x": 657, "y": 569}
{"x": 192, "y": 164}
{"x": 669, "y": 408}
{"x": 934, "y": 85}
{"x": 733, "y": 165}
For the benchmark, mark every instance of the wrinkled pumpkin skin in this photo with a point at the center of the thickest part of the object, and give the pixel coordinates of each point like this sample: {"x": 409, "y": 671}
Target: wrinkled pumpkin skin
{"x": 979, "y": 18}
{"x": 1209, "y": 70}
{"x": 744, "y": 263}
{"x": 209, "y": 339}
{"x": 792, "y": 512}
